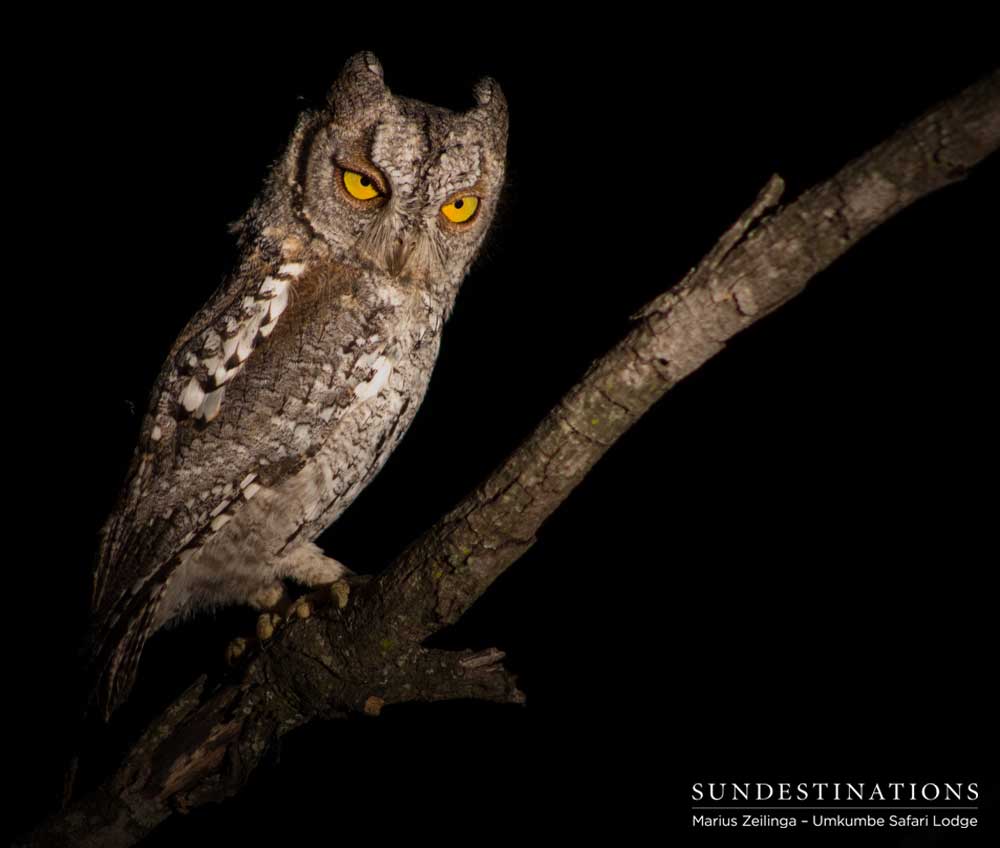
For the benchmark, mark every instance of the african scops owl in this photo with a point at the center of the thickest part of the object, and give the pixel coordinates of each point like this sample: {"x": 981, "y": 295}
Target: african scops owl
{"x": 287, "y": 392}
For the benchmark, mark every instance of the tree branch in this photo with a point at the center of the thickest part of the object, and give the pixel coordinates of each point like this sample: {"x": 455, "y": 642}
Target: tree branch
{"x": 369, "y": 654}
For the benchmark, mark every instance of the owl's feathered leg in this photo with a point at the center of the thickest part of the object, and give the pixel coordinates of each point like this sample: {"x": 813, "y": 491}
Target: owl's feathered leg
{"x": 272, "y": 597}
{"x": 309, "y": 565}
{"x": 305, "y": 564}
{"x": 336, "y": 593}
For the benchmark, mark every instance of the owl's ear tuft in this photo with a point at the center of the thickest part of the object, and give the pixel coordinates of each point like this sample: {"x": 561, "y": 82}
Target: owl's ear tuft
{"x": 362, "y": 62}
{"x": 487, "y": 91}
{"x": 361, "y": 83}
{"x": 491, "y": 105}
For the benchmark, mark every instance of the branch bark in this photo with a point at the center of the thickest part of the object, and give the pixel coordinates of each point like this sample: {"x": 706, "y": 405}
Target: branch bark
{"x": 359, "y": 658}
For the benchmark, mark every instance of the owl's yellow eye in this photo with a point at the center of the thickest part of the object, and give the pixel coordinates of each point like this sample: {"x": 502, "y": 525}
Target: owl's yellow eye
{"x": 461, "y": 210}
{"x": 360, "y": 186}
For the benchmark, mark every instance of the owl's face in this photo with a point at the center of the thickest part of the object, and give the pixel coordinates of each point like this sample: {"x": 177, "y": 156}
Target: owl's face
{"x": 399, "y": 185}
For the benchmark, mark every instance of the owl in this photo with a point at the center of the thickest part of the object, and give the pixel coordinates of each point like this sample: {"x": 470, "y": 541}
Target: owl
{"x": 286, "y": 393}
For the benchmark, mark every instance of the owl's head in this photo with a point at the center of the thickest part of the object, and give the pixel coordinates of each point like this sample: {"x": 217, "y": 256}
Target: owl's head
{"x": 396, "y": 184}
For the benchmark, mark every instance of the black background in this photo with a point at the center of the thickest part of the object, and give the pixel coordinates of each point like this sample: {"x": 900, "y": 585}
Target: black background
{"x": 781, "y": 573}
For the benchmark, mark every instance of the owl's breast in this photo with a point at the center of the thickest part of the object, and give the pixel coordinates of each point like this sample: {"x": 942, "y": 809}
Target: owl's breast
{"x": 359, "y": 416}
{"x": 317, "y": 410}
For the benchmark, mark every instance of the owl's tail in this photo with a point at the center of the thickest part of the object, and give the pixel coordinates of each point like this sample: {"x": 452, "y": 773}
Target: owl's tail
{"x": 116, "y": 651}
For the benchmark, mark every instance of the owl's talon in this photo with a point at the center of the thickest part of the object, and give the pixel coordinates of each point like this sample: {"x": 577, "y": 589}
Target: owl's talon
{"x": 266, "y": 625}
{"x": 270, "y": 598}
{"x": 340, "y": 591}
{"x": 235, "y": 650}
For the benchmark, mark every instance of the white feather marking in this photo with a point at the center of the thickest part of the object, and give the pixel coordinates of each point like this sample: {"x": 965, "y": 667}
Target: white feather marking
{"x": 245, "y": 347}
{"x": 156, "y": 433}
{"x": 265, "y": 329}
{"x": 367, "y": 360}
{"x": 220, "y": 521}
{"x": 383, "y": 368}
{"x": 251, "y": 490}
{"x": 229, "y": 346}
{"x": 392, "y": 295}
{"x": 220, "y": 508}
{"x": 293, "y": 269}
{"x": 193, "y": 395}
{"x": 248, "y": 480}
{"x": 212, "y": 404}
{"x": 272, "y": 286}
{"x": 277, "y": 305}
{"x": 192, "y": 360}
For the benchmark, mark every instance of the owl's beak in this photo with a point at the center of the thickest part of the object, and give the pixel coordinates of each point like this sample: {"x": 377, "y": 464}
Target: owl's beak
{"x": 399, "y": 255}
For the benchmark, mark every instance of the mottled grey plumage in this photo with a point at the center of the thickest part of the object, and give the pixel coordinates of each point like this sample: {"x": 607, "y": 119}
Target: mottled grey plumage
{"x": 286, "y": 393}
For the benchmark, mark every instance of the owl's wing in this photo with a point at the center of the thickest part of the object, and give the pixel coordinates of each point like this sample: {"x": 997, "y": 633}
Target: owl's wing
{"x": 170, "y": 505}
